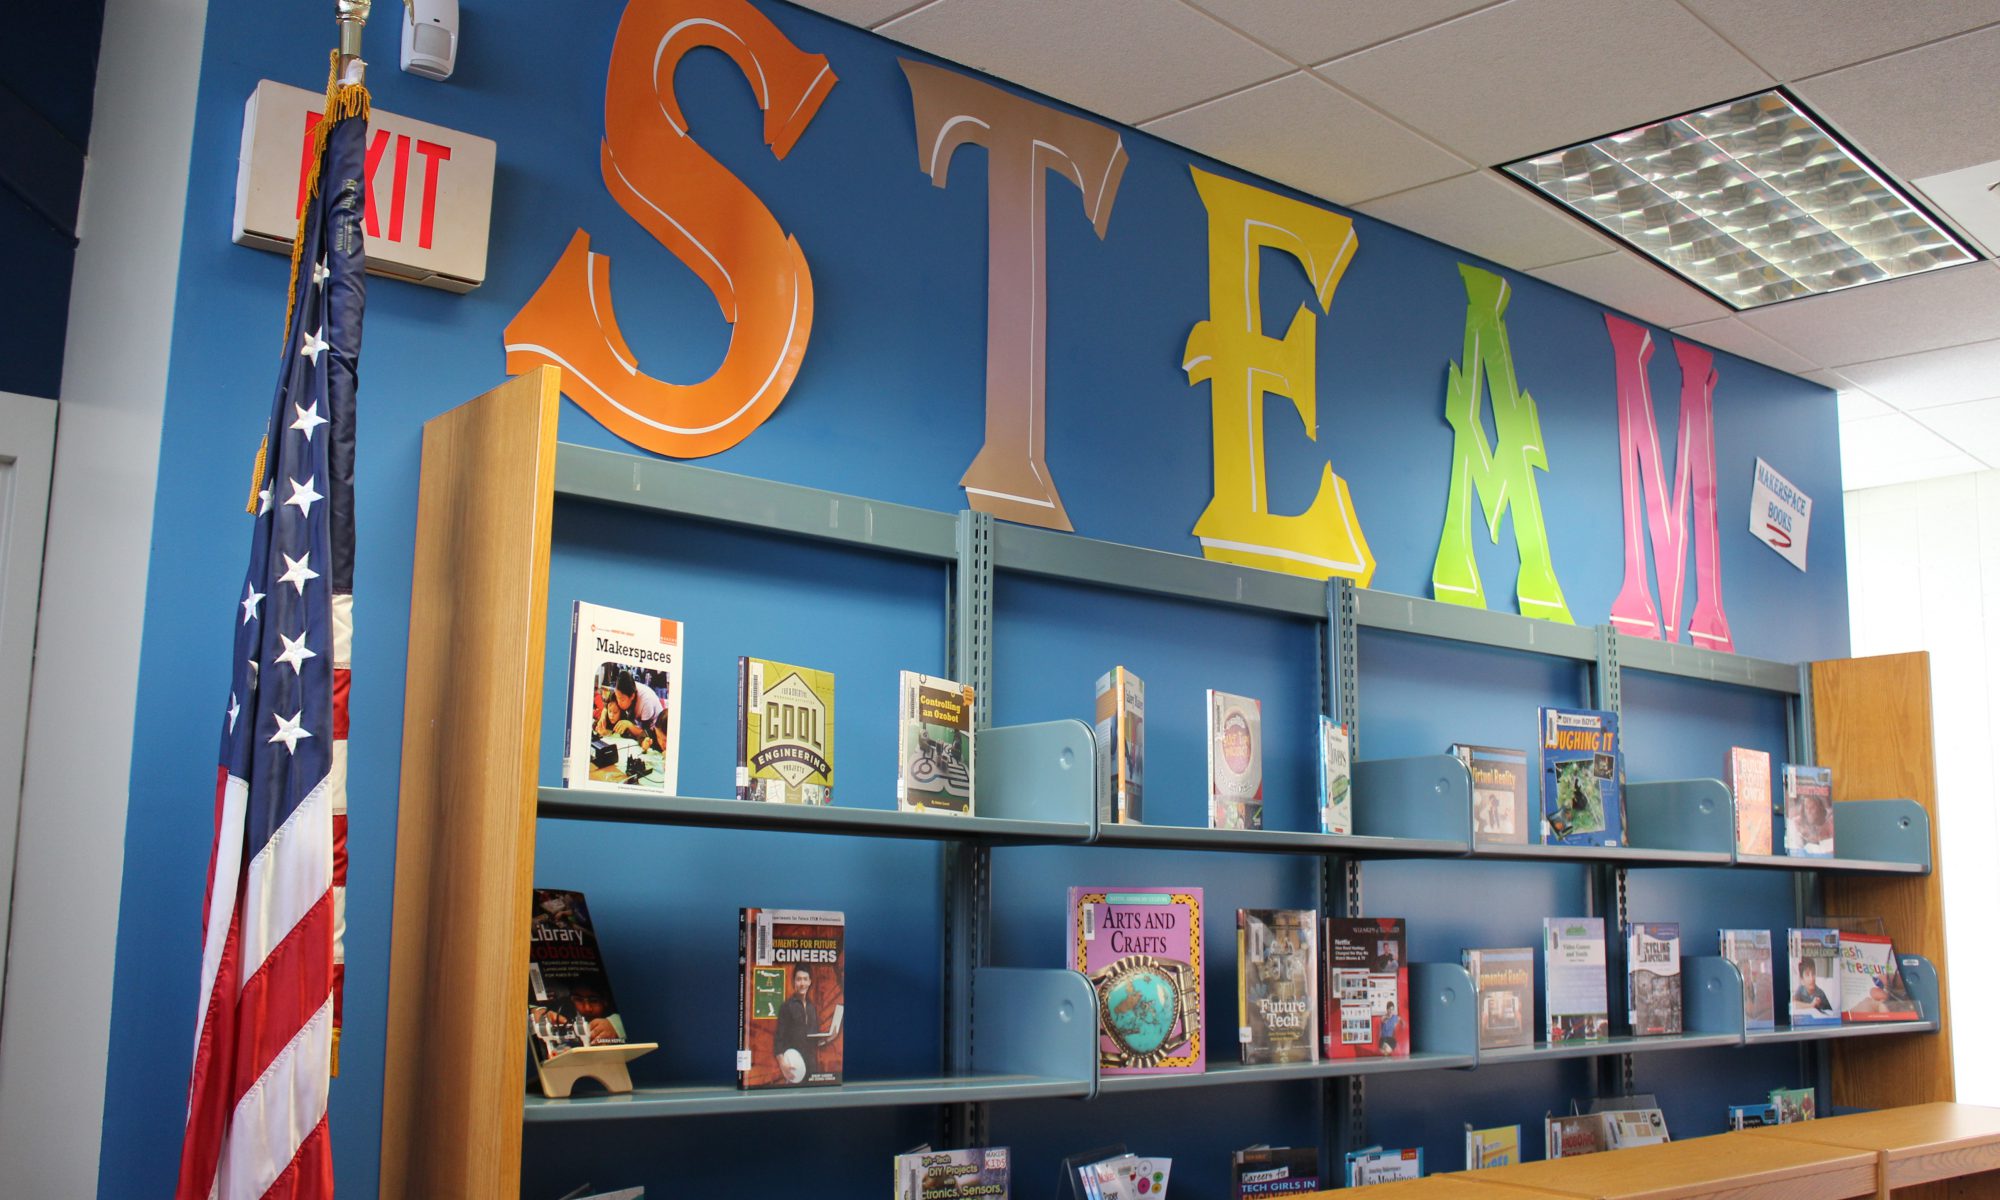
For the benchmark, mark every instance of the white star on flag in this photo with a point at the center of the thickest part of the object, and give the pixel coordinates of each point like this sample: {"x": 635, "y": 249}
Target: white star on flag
{"x": 234, "y": 708}
{"x": 312, "y": 347}
{"x": 309, "y": 419}
{"x": 297, "y": 572}
{"x": 295, "y": 652}
{"x": 290, "y": 731}
{"x": 319, "y": 272}
{"x": 303, "y": 496}
{"x": 250, "y": 598}
{"x": 263, "y": 501}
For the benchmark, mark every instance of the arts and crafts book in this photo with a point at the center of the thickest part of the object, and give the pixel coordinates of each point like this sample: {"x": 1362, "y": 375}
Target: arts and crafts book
{"x": 1499, "y": 1146}
{"x": 1373, "y": 1164}
{"x": 784, "y": 733}
{"x": 1808, "y": 816}
{"x": 1653, "y": 978}
{"x": 791, "y": 1000}
{"x": 1504, "y": 980}
{"x": 1273, "y": 1171}
{"x": 1121, "y": 747}
{"x": 934, "y": 773}
{"x": 926, "y": 1174}
{"x": 624, "y": 721}
{"x": 1871, "y": 986}
{"x": 569, "y": 994}
{"x": 1749, "y": 779}
{"x": 1235, "y": 761}
{"x": 1568, "y": 1137}
{"x": 1336, "y": 777}
{"x": 1580, "y": 761}
{"x": 1500, "y": 778}
{"x": 1750, "y": 950}
{"x": 1574, "y": 966}
{"x": 1813, "y": 959}
{"x": 1141, "y": 950}
{"x": 1365, "y": 988}
{"x": 1277, "y": 985}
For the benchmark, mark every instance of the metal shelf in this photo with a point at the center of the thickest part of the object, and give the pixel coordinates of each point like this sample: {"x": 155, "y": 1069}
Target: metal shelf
{"x": 1622, "y": 1044}
{"x": 1788, "y": 862}
{"x": 1894, "y": 834}
{"x": 1225, "y": 1073}
{"x": 723, "y": 1100}
{"x": 1919, "y": 976}
{"x": 1636, "y": 856}
{"x": 1274, "y": 841}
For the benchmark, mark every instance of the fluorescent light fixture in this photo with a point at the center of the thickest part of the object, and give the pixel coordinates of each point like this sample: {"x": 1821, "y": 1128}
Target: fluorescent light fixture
{"x": 1751, "y": 200}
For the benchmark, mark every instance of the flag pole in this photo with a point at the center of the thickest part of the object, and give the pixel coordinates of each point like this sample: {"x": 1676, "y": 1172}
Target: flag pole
{"x": 351, "y": 16}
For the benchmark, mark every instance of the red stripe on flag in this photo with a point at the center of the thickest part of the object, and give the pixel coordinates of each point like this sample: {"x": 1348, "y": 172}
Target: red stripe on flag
{"x": 340, "y": 849}
{"x": 309, "y": 1176}
{"x": 340, "y": 703}
{"x": 283, "y": 994}
{"x": 211, "y": 1100}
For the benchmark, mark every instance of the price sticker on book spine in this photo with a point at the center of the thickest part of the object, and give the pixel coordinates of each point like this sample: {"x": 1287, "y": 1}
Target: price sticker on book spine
{"x": 1243, "y": 1034}
{"x": 742, "y": 1061}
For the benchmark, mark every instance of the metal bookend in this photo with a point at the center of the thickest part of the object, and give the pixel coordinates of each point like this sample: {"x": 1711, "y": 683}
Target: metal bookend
{"x": 1711, "y": 995}
{"x": 1680, "y": 814}
{"x": 1427, "y": 797}
{"x": 1042, "y": 772}
{"x": 1035, "y": 1022}
{"x": 1444, "y": 1011}
{"x": 1897, "y": 831}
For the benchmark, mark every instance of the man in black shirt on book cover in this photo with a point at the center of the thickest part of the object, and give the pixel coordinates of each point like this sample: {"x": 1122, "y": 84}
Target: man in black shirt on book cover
{"x": 793, "y": 1046}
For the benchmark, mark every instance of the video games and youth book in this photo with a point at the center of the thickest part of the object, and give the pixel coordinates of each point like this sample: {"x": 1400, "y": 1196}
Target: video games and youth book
{"x": 1504, "y": 979}
{"x": 1373, "y": 1164}
{"x": 926, "y": 1174}
{"x": 1277, "y": 985}
{"x": 791, "y": 997}
{"x": 784, "y": 733}
{"x": 935, "y": 770}
{"x": 1336, "y": 777}
{"x": 1871, "y": 987}
{"x": 1499, "y": 1146}
{"x": 1749, "y": 779}
{"x": 1140, "y": 948}
{"x": 1750, "y": 950}
{"x": 1574, "y": 974}
{"x": 1121, "y": 747}
{"x": 1273, "y": 1171}
{"x": 1499, "y": 793}
{"x": 1580, "y": 758}
{"x": 1813, "y": 967}
{"x": 1653, "y": 977}
{"x": 1808, "y": 811}
{"x": 1366, "y": 988}
{"x": 623, "y": 729}
{"x": 1235, "y": 762}
{"x": 570, "y": 1003}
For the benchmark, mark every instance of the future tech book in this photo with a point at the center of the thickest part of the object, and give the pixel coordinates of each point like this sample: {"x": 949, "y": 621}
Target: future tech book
{"x": 624, "y": 720}
{"x": 791, "y": 997}
{"x": 1277, "y": 985}
{"x": 934, "y": 773}
{"x": 784, "y": 733}
{"x": 1141, "y": 950}
{"x": 1580, "y": 759}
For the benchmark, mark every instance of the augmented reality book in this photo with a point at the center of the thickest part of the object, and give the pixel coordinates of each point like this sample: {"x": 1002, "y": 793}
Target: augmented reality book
{"x": 1277, "y": 985}
{"x": 624, "y": 722}
{"x": 1808, "y": 811}
{"x": 1580, "y": 773}
{"x": 1499, "y": 1146}
{"x": 1500, "y": 814}
{"x": 1336, "y": 777}
{"x": 1235, "y": 762}
{"x": 926, "y": 1174}
{"x": 1121, "y": 747}
{"x": 1141, "y": 950}
{"x": 1504, "y": 980}
{"x": 1750, "y": 950}
{"x": 1574, "y": 974}
{"x": 1366, "y": 988}
{"x": 1569, "y": 1137}
{"x": 791, "y": 997}
{"x": 1273, "y": 1171}
{"x": 1750, "y": 784}
{"x": 1653, "y": 977}
{"x": 784, "y": 733}
{"x": 1871, "y": 986}
{"x": 934, "y": 773}
{"x": 1813, "y": 957}
{"x": 1374, "y": 1164}
{"x": 570, "y": 1003}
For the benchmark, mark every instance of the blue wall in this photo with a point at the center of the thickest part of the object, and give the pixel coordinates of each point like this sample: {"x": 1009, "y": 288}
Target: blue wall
{"x": 889, "y": 405}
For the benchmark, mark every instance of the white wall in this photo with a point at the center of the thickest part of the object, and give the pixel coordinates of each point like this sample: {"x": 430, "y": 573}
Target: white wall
{"x": 1923, "y": 563}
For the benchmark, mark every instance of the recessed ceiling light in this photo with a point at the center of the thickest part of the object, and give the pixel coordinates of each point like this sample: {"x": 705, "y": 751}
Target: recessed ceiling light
{"x": 1752, "y": 200}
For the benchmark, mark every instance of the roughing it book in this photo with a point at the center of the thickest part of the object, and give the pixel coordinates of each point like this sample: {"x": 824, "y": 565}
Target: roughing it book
{"x": 791, "y": 999}
{"x": 1336, "y": 777}
{"x": 1808, "y": 814}
{"x": 1813, "y": 958}
{"x": 1121, "y": 747}
{"x": 1793, "y": 1105}
{"x": 1568, "y": 1137}
{"x": 1499, "y": 1146}
{"x": 1277, "y": 985}
{"x": 934, "y": 773}
{"x": 1376, "y": 1165}
{"x": 1273, "y": 1171}
{"x": 1653, "y": 978}
{"x": 569, "y": 995}
{"x": 1749, "y": 779}
{"x": 926, "y": 1174}
{"x": 1750, "y": 950}
{"x": 784, "y": 733}
{"x": 624, "y": 721}
{"x": 1504, "y": 980}
{"x": 1871, "y": 987}
{"x": 1500, "y": 814}
{"x": 1580, "y": 777}
{"x": 1235, "y": 762}
{"x": 1366, "y": 988}
{"x": 1574, "y": 974}
{"x": 1141, "y": 950}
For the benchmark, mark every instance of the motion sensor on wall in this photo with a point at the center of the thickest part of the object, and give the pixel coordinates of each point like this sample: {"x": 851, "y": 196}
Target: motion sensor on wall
{"x": 430, "y": 37}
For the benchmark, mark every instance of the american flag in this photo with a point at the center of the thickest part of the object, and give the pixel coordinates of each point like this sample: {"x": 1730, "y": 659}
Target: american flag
{"x": 267, "y": 1033}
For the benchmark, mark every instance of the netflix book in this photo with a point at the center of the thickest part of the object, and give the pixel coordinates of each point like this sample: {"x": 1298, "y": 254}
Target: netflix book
{"x": 1141, "y": 950}
{"x": 792, "y": 997}
{"x": 1366, "y": 988}
{"x": 569, "y": 995}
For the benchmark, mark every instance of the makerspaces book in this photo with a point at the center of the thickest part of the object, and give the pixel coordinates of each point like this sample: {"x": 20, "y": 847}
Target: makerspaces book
{"x": 926, "y": 1174}
{"x": 791, "y": 997}
{"x": 1121, "y": 747}
{"x": 1336, "y": 777}
{"x": 1273, "y": 1171}
{"x": 1499, "y": 1146}
{"x": 1808, "y": 816}
{"x": 1500, "y": 814}
{"x": 1750, "y": 950}
{"x": 784, "y": 733}
{"x": 1749, "y": 782}
{"x": 1504, "y": 980}
{"x": 1235, "y": 761}
{"x": 934, "y": 773}
{"x": 1277, "y": 985}
{"x": 624, "y": 721}
{"x": 1141, "y": 950}
{"x": 1574, "y": 976}
{"x": 1653, "y": 977}
{"x": 1580, "y": 778}
{"x": 569, "y": 995}
{"x": 1871, "y": 987}
{"x": 1365, "y": 988}
{"x": 1813, "y": 961}
{"x": 1373, "y": 1164}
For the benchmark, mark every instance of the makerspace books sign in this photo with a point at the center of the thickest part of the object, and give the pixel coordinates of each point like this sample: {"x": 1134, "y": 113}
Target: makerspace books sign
{"x": 1780, "y": 514}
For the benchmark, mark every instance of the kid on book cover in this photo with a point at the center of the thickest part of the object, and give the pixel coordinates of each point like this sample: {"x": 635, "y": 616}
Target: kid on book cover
{"x": 1141, "y": 951}
{"x": 624, "y": 728}
{"x": 1580, "y": 777}
{"x": 784, "y": 733}
{"x": 1277, "y": 986}
{"x": 792, "y": 997}
{"x": 935, "y": 772}
{"x": 1808, "y": 811}
{"x": 1366, "y": 988}
{"x": 569, "y": 995}
{"x": 1871, "y": 988}
{"x": 1815, "y": 976}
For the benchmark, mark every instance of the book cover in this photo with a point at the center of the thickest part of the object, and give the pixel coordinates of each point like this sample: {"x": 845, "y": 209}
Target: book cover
{"x": 1752, "y": 1116}
{"x": 1141, "y": 950}
{"x": 624, "y": 721}
{"x": 1636, "y": 1127}
{"x": 1750, "y": 950}
{"x": 1871, "y": 986}
{"x": 1793, "y": 1105}
{"x": 1653, "y": 977}
{"x": 1376, "y": 1165}
{"x": 570, "y": 1003}
{"x": 934, "y": 773}
{"x": 1235, "y": 762}
{"x": 784, "y": 733}
{"x": 1365, "y": 990}
{"x": 1808, "y": 813}
{"x": 1568, "y": 1137}
{"x": 1814, "y": 960}
{"x": 1499, "y": 1146}
{"x": 1277, "y": 985}
{"x": 927, "y": 1174}
{"x": 791, "y": 997}
{"x": 1504, "y": 980}
{"x": 1580, "y": 773}
{"x": 1574, "y": 974}
{"x": 1499, "y": 793}
{"x": 1273, "y": 1171}
{"x": 1336, "y": 777}
{"x": 1749, "y": 779}
{"x": 1121, "y": 747}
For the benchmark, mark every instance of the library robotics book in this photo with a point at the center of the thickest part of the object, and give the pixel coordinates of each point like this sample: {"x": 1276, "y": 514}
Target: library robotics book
{"x": 1576, "y": 1004}
{"x": 1336, "y": 777}
{"x": 1365, "y": 988}
{"x": 791, "y": 997}
{"x": 1141, "y": 950}
{"x": 1871, "y": 987}
{"x": 1749, "y": 780}
{"x": 1580, "y": 761}
{"x": 1235, "y": 762}
{"x": 1500, "y": 814}
{"x": 926, "y": 1174}
{"x": 1499, "y": 1146}
{"x": 1813, "y": 967}
{"x": 1750, "y": 950}
{"x": 570, "y": 1003}
{"x": 1504, "y": 979}
{"x": 623, "y": 728}
{"x": 784, "y": 733}
{"x": 935, "y": 772}
{"x": 1808, "y": 815}
{"x": 1121, "y": 747}
{"x": 1277, "y": 985}
{"x": 1653, "y": 978}
{"x": 1273, "y": 1171}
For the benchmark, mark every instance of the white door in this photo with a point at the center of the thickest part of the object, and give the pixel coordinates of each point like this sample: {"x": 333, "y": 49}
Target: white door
{"x": 27, "y": 451}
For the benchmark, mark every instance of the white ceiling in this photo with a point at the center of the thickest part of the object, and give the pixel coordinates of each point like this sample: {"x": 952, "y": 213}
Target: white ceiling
{"x": 1401, "y": 110}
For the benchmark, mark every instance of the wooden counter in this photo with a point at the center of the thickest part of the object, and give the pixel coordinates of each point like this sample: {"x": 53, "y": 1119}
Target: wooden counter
{"x": 1920, "y": 1144}
{"x": 1442, "y": 1187}
{"x": 1728, "y": 1165}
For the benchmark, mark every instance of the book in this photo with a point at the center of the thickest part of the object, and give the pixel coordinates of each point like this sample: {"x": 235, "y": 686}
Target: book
{"x": 1277, "y": 985}
{"x": 1575, "y": 1002}
{"x": 1581, "y": 761}
{"x": 1141, "y": 950}
{"x": 1125, "y": 1177}
{"x": 1365, "y": 989}
{"x": 1653, "y": 978}
{"x": 1235, "y": 762}
{"x": 1750, "y": 950}
{"x": 623, "y": 729}
{"x": 1749, "y": 779}
{"x": 1336, "y": 777}
{"x": 1808, "y": 814}
{"x": 1752, "y": 1116}
{"x": 1636, "y": 1127}
{"x": 1121, "y": 747}
{"x": 791, "y": 1000}
{"x": 570, "y": 1003}
{"x": 1871, "y": 987}
{"x": 1504, "y": 981}
{"x": 1813, "y": 957}
{"x": 1373, "y": 1164}
{"x": 784, "y": 733}
{"x": 926, "y": 1174}
{"x": 1273, "y": 1171}
{"x": 934, "y": 772}
{"x": 1793, "y": 1105}
{"x": 1568, "y": 1137}
{"x": 1499, "y": 1146}
{"x": 1499, "y": 793}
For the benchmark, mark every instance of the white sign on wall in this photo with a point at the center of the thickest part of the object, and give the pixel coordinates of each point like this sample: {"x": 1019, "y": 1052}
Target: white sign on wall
{"x": 430, "y": 189}
{"x": 1780, "y": 514}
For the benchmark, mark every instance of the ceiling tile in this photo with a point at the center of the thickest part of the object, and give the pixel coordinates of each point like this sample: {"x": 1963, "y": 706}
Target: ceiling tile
{"x": 1946, "y": 307}
{"x": 1857, "y": 405}
{"x": 1631, "y": 284}
{"x": 1312, "y": 31}
{"x": 1895, "y": 449}
{"x": 1874, "y": 474}
{"x": 864, "y": 13}
{"x": 1302, "y": 131}
{"x": 1484, "y": 214}
{"x": 1530, "y": 75}
{"x": 1739, "y": 339}
{"x": 1130, "y": 60}
{"x": 1973, "y": 427}
{"x": 1921, "y": 112}
{"x": 1796, "y": 38}
{"x": 1935, "y": 377}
